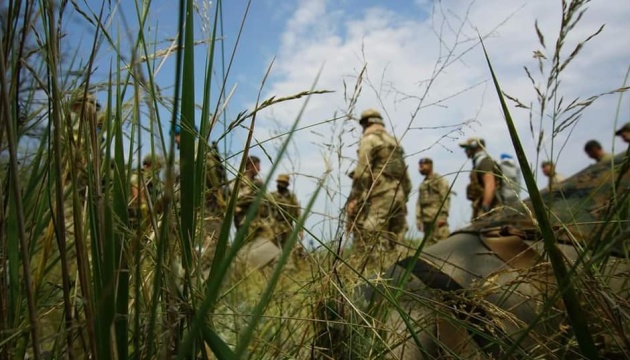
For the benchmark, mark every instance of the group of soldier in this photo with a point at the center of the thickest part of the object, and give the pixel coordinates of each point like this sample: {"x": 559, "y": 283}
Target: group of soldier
{"x": 271, "y": 223}
{"x": 376, "y": 209}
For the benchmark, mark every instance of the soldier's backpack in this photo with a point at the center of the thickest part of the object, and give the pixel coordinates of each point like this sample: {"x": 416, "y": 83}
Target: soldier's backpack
{"x": 511, "y": 179}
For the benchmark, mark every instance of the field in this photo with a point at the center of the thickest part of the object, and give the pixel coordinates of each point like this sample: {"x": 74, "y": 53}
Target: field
{"x": 89, "y": 268}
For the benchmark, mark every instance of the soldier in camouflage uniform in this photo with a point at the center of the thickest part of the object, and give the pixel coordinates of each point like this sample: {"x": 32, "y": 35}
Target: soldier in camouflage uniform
{"x": 286, "y": 209}
{"x": 145, "y": 195}
{"x": 434, "y": 201}
{"x": 215, "y": 201}
{"x": 380, "y": 188}
{"x": 485, "y": 178}
{"x": 84, "y": 109}
{"x": 259, "y": 249}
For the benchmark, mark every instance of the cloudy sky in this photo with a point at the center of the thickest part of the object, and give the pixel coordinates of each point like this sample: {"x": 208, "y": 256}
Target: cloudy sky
{"x": 422, "y": 66}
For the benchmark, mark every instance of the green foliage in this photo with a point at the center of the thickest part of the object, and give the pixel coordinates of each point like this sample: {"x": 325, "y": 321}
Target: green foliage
{"x": 89, "y": 270}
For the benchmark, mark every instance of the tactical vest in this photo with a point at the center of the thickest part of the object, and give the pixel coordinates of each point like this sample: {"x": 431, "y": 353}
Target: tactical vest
{"x": 474, "y": 190}
{"x": 389, "y": 161}
{"x": 430, "y": 192}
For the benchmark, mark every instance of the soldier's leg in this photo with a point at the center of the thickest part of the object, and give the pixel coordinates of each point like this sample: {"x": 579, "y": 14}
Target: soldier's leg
{"x": 398, "y": 222}
{"x": 397, "y": 218}
{"x": 378, "y": 234}
{"x": 359, "y": 235}
{"x": 442, "y": 232}
{"x": 430, "y": 237}
{"x": 260, "y": 249}
{"x": 212, "y": 229}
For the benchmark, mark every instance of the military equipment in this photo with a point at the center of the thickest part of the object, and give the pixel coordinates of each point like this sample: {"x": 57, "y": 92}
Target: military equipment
{"x": 283, "y": 178}
{"x": 371, "y": 116}
{"x": 488, "y": 291}
{"x": 511, "y": 180}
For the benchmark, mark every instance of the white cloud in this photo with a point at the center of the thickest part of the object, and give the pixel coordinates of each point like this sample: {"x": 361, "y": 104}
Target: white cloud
{"x": 402, "y": 54}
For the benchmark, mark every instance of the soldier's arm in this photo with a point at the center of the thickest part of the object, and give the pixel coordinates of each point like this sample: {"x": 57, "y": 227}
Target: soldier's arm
{"x": 445, "y": 196}
{"x": 489, "y": 186}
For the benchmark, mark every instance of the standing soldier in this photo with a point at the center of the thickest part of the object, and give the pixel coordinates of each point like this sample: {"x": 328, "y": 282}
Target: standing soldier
{"x": 259, "y": 249}
{"x": 146, "y": 193}
{"x": 214, "y": 201}
{"x": 434, "y": 200}
{"x": 380, "y": 188}
{"x": 485, "y": 178}
{"x": 84, "y": 110}
{"x": 286, "y": 210}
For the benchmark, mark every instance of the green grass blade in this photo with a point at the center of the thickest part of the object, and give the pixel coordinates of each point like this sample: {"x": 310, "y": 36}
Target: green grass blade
{"x": 571, "y": 301}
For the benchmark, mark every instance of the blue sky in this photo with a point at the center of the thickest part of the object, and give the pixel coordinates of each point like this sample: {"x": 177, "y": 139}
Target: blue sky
{"x": 424, "y": 70}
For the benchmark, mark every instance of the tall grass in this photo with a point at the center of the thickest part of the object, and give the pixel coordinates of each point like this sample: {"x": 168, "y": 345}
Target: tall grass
{"x": 80, "y": 280}
{"x": 81, "y": 277}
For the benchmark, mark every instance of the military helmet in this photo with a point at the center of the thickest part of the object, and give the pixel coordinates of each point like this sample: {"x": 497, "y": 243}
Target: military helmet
{"x": 154, "y": 161}
{"x": 79, "y": 98}
{"x": 283, "y": 178}
{"x": 371, "y": 116}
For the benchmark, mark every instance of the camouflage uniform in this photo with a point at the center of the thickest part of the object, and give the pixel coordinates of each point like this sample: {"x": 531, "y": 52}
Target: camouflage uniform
{"x": 259, "y": 249}
{"x": 380, "y": 188}
{"x": 145, "y": 195}
{"x": 84, "y": 110}
{"x": 433, "y": 205}
{"x": 215, "y": 203}
{"x": 482, "y": 164}
{"x": 247, "y": 192}
{"x": 286, "y": 212}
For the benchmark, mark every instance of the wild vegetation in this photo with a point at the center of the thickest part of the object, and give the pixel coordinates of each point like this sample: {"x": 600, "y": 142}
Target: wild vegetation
{"x": 80, "y": 279}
